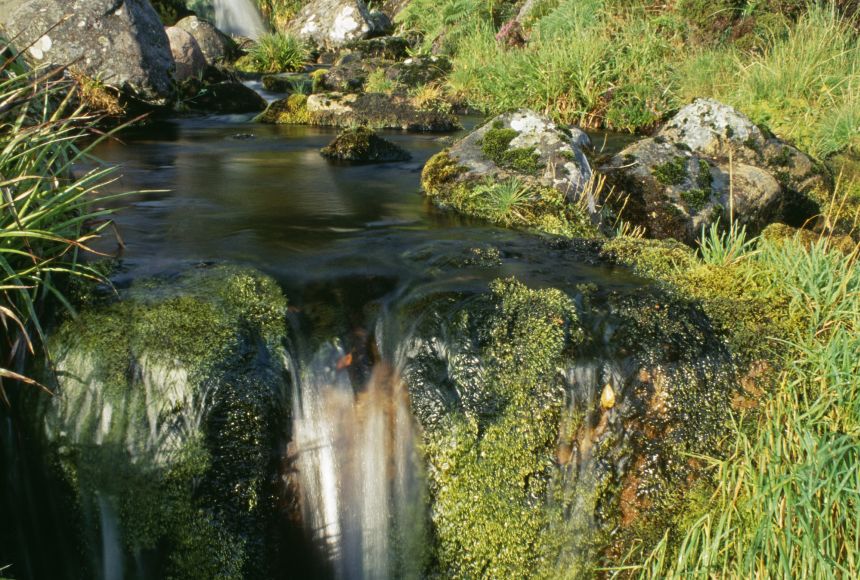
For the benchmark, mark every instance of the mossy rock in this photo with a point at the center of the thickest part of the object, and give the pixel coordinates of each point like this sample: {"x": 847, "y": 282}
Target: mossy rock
{"x": 527, "y": 462}
{"x": 518, "y": 170}
{"x": 289, "y": 83}
{"x": 362, "y": 145}
{"x": 387, "y": 47}
{"x": 171, "y": 404}
{"x": 418, "y": 71}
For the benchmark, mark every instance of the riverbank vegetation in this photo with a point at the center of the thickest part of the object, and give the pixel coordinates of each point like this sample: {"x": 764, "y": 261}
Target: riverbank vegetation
{"x": 48, "y": 215}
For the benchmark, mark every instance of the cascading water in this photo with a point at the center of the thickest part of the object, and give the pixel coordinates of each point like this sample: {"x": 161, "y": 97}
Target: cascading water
{"x": 239, "y": 17}
{"x": 358, "y": 473}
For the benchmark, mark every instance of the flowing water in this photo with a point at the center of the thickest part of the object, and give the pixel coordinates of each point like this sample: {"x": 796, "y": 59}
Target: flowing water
{"x": 239, "y": 18}
{"x": 349, "y": 244}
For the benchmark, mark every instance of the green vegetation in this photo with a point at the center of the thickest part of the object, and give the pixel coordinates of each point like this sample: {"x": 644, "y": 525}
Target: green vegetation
{"x": 185, "y": 457}
{"x": 627, "y": 65}
{"x": 377, "y": 82}
{"x": 783, "y": 495}
{"x": 672, "y": 172}
{"x": 47, "y": 215}
{"x": 275, "y": 53}
{"x": 280, "y": 12}
{"x": 496, "y": 146}
{"x": 488, "y": 469}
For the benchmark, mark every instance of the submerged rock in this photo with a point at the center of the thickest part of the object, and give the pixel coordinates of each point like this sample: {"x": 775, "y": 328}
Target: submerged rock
{"x": 189, "y": 59}
{"x": 122, "y": 45}
{"x": 171, "y": 403}
{"x": 217, "y": 47}
{"x": 375, "y": 110}
{"x": 707, "y": 162}
{"x": 363, "y": 145}
{"x": 332, "y": 23}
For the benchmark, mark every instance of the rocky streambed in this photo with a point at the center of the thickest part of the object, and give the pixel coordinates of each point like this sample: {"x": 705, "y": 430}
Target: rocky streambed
{"x": 449, "y": 364}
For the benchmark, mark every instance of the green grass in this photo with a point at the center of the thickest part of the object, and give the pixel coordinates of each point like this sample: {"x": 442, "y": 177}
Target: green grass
{"x": 629, "y": 65}
{"x": 785, "y": 497}
{"x": 276, "y": 53}
{"x": 47, "y": 216}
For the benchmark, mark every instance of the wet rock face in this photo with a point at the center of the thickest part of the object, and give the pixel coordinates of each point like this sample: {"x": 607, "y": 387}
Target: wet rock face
{"x": 575, "y": 410}
{"x": 707, "y": 162}
{"x": 332, "y": 23}
{"x": 189, "y": 59}
{"x": 525, "y": 145}
{"x": 122, "y": 44}
{"x": 362, "y": 145}
{"x": 216, "y": 46}
{"x": 375, "y": 110}
{"x": 171, "y": 402}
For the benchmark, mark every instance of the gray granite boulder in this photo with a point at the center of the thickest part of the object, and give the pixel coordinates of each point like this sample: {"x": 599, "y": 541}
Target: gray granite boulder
{"x": 122, "y": 44}
{"x": 189, "y": 59}
{"x": 711, "y": 163}
{"x": 216, "y": 46}
{"x": 333, "y": 23}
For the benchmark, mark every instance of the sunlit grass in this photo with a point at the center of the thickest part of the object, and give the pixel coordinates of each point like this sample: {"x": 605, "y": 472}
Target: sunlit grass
{"x": 47, "y": 216}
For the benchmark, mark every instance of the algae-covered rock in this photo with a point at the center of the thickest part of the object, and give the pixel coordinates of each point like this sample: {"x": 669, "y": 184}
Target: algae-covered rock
{"x": 171, "y": 401}
{"x": 531, "y": 471}
{"x": 375, "y": 110}
{"x": 711, "y": 163}
{"x": 362, "y": 145}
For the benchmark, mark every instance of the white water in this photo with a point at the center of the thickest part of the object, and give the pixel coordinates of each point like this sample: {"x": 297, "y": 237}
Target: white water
{"x": 358, "y": 473}
{"x": 239, "y": 18}
{"x": 111, "y": 548}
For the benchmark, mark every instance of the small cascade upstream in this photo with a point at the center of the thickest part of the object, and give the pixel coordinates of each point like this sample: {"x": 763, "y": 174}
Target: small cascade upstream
{"x": 358, "y": 475}
{"x": 239, "y": 18}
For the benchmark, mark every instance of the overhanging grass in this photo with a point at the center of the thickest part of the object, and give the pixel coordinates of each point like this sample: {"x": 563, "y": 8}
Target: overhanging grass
{"x": 46, "y": 214}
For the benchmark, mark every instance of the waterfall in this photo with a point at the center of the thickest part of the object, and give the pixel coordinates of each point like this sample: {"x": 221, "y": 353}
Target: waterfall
{"x": 239, "y": 18}
{"x": 357, "y": 469}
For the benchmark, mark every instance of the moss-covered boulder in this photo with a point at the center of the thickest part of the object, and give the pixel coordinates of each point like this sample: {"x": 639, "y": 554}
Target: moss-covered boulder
{"x": 375, "y": 110}
{"x": 418, "y": 71}
{"x": 711, "y": 163}
{"x": 552, "y": 420}
{"x": 362, "y": 145}
{"x": 520, "y": 169}
{"x": 170, "y": 406}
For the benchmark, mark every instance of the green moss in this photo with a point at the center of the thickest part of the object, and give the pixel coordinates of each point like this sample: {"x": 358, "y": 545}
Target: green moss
{"x": 672, "y": 172}
{"x": 496, "y": 141}
{"x": 168, "y": 410}
{"x": 738, "y": 298}
{"x": 695, "y": 198}
{"x": 361, "y": 144}
{"x": 439, "y": 172}
{"x": 290, "y": 111}
{"x": 490, "y": 472}
{"x": 495, "y": 145}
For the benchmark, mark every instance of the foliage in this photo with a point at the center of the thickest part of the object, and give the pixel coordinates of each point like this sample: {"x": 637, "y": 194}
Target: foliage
{"x": 47, "y": 218}
{"x": 280, "y": 12}
{"x": 277, "y": 53}
{"x": 377, "y": 82}
{"x": 786, "y": 495}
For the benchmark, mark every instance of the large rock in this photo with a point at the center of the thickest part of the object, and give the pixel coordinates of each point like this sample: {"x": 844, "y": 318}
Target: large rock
{"x": 171, "y": 405}
{"x": 376, "y": 110}
{"x": 122, "y": 44}
{"x": 228, "y": 96}
{"x": 217, "y": 47}
{"x": 711, "y": 163}
{"x": 189, "y": 59}
{"x": 577, "y": 412}
{"x": 523, "y": 145}
{"x": 332, "y": 23}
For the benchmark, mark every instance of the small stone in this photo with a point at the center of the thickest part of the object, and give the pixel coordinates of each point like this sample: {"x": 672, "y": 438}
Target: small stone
{"x": 607, "y": 397}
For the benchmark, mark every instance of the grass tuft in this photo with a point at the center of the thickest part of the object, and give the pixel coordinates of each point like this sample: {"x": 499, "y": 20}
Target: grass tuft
{"x": 277, "y": 53}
